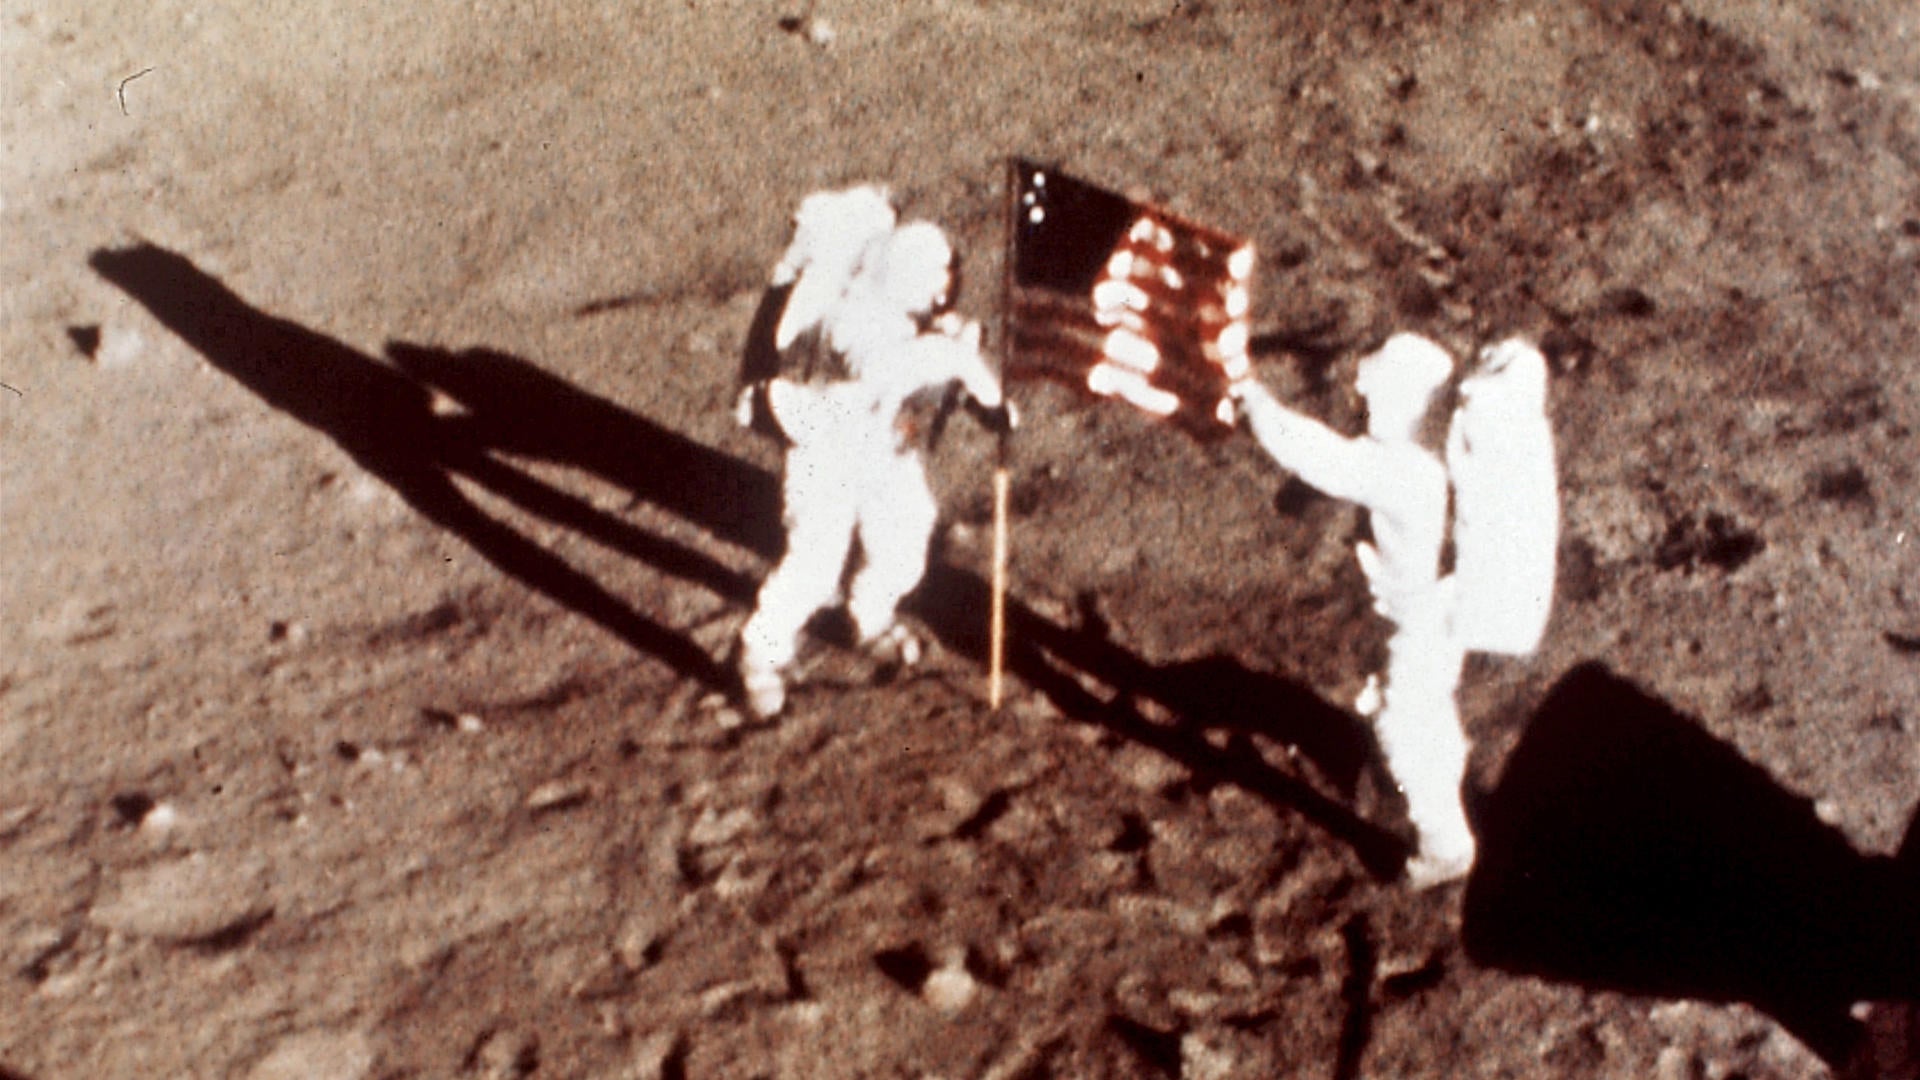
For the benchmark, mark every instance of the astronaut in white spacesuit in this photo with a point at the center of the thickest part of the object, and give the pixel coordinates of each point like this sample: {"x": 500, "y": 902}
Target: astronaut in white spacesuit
{"x": 1506, "y": 529}
{"x": 876, "y": 294}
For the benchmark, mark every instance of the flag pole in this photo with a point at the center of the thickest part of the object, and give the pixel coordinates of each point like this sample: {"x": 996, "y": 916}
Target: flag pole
{"x": 997, "y": 626}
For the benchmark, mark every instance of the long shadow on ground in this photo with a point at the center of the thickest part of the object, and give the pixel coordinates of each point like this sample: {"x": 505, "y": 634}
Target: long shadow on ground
{"x": 380, "y": 413}
{"x": 384, "y": 420}
{"x": 1626, "y": 848}
{"x": 1215, "y": 691}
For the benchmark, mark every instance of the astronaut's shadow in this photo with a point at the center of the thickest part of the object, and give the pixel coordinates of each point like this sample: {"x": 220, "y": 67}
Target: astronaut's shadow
{"x": 382, "y": 415}
{"x": 381, "y": 412}
{"x": 1626, "y": 848}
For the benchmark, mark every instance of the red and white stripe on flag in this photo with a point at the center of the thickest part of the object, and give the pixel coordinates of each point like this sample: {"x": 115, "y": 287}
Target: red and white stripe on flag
{"x": 1123, "y": 299}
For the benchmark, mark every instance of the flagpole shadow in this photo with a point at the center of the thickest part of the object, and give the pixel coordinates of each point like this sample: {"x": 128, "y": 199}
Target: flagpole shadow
{"x": 1625, "y": 848}
{"x": 1050, "y": 658}
{"x": 1221, "y": 692}
{"x": 380, "y": 412}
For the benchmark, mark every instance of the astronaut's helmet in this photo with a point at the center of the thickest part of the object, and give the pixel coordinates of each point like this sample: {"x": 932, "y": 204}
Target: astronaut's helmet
{"x": 1400, "y": 380}
{"x": 919, "y": 270}
{"x": 1513, "y": 371}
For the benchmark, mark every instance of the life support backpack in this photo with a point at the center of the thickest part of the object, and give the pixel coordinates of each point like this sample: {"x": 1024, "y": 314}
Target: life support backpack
{"x": 1506, "y": 503}
{"x": 807, "y": 360}
{"x": 834, "y": 234}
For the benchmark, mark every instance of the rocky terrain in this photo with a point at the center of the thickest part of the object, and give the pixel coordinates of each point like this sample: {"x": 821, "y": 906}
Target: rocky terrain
{"x": 377, "y": 532}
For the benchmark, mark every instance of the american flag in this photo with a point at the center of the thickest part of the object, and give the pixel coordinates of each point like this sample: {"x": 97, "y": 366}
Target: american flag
{"x": 1123, "y": 299}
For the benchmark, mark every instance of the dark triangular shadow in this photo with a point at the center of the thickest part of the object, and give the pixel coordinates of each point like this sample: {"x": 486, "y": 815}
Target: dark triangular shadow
{"x": 1626, "y": 848}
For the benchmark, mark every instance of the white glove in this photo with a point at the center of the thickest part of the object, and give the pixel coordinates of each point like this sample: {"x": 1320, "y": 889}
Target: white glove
{"x": 952, "y": 324}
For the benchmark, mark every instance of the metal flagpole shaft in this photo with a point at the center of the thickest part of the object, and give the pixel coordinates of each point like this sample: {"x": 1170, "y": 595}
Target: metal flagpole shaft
{"x": 997, "y": 641}
{"x": 997, "y": 627}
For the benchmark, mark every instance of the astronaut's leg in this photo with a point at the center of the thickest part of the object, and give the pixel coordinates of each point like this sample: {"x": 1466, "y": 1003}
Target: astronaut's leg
{"x": 819, "y": 514}
{"x": 897, "y": 516}
{"x": 1418, "y": 726}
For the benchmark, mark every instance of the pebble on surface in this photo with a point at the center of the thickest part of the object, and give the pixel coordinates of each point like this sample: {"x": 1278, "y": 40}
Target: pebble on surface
{"x": 950, "y": 987}
{"x": 317, "y": 1055}
{"x": 714, "y": 828}
{"x": 1206, "y": 1058}
{"x": 640, "y": 935}
{"x": 557, "y": 795}
{"x": 1148, "y": 771}
{"x": 1674, "y": 1064}
{"x": 186, "y": 900}
{"x": 651, "y": 1057}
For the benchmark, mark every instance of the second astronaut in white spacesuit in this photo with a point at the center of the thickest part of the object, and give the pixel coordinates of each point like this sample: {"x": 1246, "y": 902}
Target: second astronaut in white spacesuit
{"x": 876, "y": 293}
{"x": 1499, "y": 477}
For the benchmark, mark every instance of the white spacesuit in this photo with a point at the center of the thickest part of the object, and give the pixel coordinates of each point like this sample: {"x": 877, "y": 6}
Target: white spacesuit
{"x": 853, "y": 467}
{"x": 1506, "y": 526}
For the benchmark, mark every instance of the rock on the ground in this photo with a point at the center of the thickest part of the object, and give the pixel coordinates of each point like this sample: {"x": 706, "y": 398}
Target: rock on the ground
{"x": 317, "y": 1055}
{"x": 651, "y": 1056}
{"x": 951, "y": 987}
{"x": 187, "y": 900}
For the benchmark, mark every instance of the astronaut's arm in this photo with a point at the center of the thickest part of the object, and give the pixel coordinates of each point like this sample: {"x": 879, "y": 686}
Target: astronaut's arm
{"x": 1322, "y": 457}
{"x": 951, "y": 353}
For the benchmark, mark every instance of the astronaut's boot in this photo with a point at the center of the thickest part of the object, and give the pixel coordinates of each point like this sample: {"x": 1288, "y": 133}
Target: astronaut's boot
{"x": 767, "y": 650}
{"x": 761, "y": 680}
{"x": 896, "y": 644}
{"x": 1446, "y": 850}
